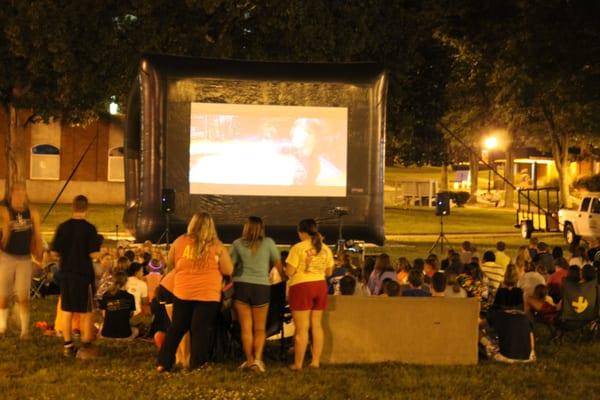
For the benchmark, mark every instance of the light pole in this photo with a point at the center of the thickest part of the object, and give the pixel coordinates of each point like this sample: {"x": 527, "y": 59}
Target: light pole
{"x": 489, "y": 143}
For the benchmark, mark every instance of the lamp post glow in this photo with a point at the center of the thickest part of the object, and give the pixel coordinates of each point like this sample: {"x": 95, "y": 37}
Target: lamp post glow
{"x": 113, "y": 108}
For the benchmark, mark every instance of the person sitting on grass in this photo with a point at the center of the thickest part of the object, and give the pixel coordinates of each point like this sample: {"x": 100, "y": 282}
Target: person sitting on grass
{"x": 545, "y": 257}
{"x": 509, "y": 296}
{"x": 415, "y": 280}
{"x": 383, "y": 270}
{"x": 531, "y": 279}
{"x": 578, "y": 256}
{"x": 588, "y": 273}
{"x": 493, "y": 271}
{"x": 403, "y": 269}
{"x": 438, "y": 284}
{"x": 555, "y": 280}
{"x": 541, "y": 305}
{"x": 431, "y": 267}
{"x": 118, "y": 307}
{"x": 391, "y": 288}
{"x": 348, "y": 286}
{"x": 474, "y": 282}
{"x": 453, "y": 288}
{"x": 502, "y": 258}
{"x": 341, "y": 269}
{"x": 361, "y": 289}
{"x": 155, "y": 270}
{"x": 137, "y": 288}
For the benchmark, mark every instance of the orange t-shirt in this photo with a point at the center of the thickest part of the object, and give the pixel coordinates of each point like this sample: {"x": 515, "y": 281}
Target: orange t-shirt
{"x": 198, "y": 279}
{"x": 168, "y": 281}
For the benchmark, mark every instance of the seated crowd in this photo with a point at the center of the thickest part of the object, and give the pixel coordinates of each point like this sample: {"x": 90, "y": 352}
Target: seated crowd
{"x": 176, "y": 297}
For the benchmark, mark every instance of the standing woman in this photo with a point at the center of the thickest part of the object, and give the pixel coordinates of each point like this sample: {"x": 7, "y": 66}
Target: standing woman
{"x": 308, "y": 264}
{"x": 200, "y": 261}
{"x": 21, "y": 237}
{"x": 252, "y": 256}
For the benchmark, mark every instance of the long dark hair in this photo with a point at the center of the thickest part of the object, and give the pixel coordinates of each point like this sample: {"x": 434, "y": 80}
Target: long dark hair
{"x": 309, "y": 226}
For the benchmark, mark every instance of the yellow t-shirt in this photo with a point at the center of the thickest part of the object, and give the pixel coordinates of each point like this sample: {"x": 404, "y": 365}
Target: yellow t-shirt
{"x": 309, "y": 266}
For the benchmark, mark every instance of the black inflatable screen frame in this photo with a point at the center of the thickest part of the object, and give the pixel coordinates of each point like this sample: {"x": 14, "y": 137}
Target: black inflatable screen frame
{"x": 156, "y": 137}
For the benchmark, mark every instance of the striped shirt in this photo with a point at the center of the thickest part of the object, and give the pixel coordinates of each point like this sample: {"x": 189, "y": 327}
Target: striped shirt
{"x": 494, "y": 273}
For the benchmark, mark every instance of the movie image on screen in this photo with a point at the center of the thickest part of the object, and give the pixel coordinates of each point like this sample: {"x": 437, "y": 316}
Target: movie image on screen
{"x": 259, "y": 150}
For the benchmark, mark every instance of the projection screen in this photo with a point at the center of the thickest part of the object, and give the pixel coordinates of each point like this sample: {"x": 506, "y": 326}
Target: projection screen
{"x": 282, "y": 141}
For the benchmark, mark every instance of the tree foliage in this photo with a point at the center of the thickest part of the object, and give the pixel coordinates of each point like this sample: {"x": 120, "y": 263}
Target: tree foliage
{"x": 528, "y": 66}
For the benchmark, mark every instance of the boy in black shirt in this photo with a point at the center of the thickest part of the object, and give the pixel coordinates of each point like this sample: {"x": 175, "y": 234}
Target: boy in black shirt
{"x": 76, "y": 241}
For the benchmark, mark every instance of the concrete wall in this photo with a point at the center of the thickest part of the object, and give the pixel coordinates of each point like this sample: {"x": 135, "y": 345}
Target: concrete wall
{"x": 100, "y": 192}
{"x": 410, "y": 330}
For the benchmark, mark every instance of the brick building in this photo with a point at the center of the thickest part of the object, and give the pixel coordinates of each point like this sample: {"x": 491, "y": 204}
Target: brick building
{"x": 53, "y": 150}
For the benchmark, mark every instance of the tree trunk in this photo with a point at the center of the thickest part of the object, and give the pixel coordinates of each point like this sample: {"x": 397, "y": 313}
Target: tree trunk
{"x": 559, "y": 140}
{"x": 15, "y": 149}
{"x": 444, "y": 178}
{"x": 560, "y": 153}
{"x": 509, "y": 175}
{"x": 474, "y": 169}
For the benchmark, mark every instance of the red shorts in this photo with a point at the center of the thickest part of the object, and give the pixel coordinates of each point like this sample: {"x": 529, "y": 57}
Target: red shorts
{"x": 308, "y": 296}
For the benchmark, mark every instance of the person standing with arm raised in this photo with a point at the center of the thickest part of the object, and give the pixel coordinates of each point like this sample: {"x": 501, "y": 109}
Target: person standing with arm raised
{"x": 77, "y": 243}
{"x": 309, "y": 263}
{"x": 21, "y": 238}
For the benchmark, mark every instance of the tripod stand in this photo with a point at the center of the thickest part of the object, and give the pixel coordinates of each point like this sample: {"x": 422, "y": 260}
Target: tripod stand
{"x": 441, "y": 237}
{"x": 166, "y": 234}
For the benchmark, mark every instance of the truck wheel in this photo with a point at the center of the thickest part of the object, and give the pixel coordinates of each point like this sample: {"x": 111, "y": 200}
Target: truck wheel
{"x": 570, "y": 236}
{"x": 526, "y": 229}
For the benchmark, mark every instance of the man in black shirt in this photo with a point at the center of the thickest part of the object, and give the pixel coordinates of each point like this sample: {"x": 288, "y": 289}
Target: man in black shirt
{"x": 77, "y": 242}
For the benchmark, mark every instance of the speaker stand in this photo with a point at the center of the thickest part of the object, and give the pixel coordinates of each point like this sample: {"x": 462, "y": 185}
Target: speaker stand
{"x": 167, "y": 232}
{"x": 441, "y": 238}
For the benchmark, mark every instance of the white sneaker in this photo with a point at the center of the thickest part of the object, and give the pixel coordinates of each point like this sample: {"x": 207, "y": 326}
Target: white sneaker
{"x": 259, "y": 365}
{"x": 245, "y": 365}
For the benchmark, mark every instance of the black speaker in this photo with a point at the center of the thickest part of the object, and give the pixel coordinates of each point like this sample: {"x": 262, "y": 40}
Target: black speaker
{"x": 167, "y": 201}
{"x": 442, "y": 204}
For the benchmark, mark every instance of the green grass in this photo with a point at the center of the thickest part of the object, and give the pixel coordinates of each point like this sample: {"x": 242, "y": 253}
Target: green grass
{"x": 104, "y": 217}
{"x": 419, "y": 246}
{"x": 422, "y": 220}
{"x": 37, "y": 370}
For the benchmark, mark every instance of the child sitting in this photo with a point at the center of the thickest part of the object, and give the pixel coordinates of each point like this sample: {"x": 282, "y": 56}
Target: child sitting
{"x": 137, "y": 287}
{"x": 155, "y": 270}
{"x": 118, "y": 307}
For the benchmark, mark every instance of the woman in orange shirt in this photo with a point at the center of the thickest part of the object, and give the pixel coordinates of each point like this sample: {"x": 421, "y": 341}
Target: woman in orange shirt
{"x": 200, "y": 261}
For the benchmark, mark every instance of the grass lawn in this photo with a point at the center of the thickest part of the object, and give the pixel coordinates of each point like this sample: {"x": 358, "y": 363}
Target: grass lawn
{"x": 421, "y": 220}
{"x": 104, "y": 217}
{"x": 36, "y": 369}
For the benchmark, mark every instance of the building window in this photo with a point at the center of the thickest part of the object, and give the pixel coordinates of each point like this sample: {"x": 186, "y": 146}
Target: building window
{"x": 116, "y": 165}
{"x": 45, "y": 162}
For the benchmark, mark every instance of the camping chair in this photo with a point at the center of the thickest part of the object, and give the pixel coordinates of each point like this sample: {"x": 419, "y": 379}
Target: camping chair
{"x": 37, "y": 285}
{"x": 580, "y": 310}
{"x": 279, "y": 314}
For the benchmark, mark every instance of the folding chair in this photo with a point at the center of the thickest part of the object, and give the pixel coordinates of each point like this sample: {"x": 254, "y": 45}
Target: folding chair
{"x": 279, "y": 314}
{"x": 580, "y": 311}
{"x": 37, "y": 284}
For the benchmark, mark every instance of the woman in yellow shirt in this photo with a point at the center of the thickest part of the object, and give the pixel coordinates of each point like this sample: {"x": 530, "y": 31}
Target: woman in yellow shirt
{"x": 308, "y": 264}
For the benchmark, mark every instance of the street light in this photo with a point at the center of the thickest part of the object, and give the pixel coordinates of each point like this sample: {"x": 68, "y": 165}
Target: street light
{"x": 113, "y": 107}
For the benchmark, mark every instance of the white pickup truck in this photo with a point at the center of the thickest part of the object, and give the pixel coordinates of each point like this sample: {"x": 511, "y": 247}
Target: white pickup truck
{"x": 583, "y": 222}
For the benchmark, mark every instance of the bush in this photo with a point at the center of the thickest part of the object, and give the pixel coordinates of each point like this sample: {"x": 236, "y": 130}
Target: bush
{"x": 589, "y": 183}
{"x": 460, "y": 198}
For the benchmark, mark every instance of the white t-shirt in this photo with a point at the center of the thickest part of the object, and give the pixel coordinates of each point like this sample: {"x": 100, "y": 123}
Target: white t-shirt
{"x": 138, "y": 289}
